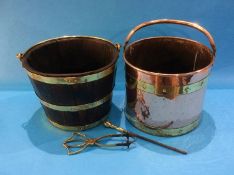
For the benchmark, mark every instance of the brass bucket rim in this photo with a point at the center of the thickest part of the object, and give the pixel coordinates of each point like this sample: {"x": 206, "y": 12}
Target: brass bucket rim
{"x": 33, "y": 71}
{"x": 204, "y": 69}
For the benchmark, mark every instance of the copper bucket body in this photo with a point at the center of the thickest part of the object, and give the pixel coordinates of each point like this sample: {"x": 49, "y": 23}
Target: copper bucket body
{"x": 166, "y": 79}
{"x": 73, "y": 77}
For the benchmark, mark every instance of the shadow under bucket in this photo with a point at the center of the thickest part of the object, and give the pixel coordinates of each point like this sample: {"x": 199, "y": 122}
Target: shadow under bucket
{"x": 166, "y": 80}
{"x": 73, "y": 77}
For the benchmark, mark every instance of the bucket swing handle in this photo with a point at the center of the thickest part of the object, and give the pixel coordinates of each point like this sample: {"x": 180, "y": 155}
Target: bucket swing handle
{"x": 172, "y": 21}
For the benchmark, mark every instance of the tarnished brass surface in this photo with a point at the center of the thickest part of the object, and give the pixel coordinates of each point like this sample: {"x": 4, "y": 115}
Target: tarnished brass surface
{"x": 166, "y": 90}
{"x": 81, "y": 142}
{"x": 19, "y": 56}
{"x": 78, "y": 107}
{"x": 162, "y": 132}
{"x": 108, "y": 124}
{"x": 79, "y": 128}
{"x": 71, "y": 80}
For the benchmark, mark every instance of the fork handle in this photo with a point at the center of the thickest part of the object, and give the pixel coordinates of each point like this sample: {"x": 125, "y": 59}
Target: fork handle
{"x": 108, "y": 124}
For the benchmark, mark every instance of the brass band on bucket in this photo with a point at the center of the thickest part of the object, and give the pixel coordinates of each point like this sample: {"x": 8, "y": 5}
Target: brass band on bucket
{"x": 78, "y": 107}
{"x": 72, "y": 80}
{"x": 78, "y": 128}
{"x": 160, "y": 131}
{"x": 150, "y": 88}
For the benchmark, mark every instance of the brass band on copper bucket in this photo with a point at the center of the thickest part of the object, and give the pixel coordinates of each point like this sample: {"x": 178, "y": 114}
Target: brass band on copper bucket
{"x": 133, "y": 83}
{"x": 162, "y": 131}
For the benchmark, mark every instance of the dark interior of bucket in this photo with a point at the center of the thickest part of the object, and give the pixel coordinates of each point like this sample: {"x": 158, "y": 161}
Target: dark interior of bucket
{"x": 70, "y": 55}
{"x": 168, "y": 55}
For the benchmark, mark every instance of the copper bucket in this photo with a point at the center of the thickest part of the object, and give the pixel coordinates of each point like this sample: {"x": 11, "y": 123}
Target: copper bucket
{"x": 73, "y": 77}
{"x": 166, "y": 79}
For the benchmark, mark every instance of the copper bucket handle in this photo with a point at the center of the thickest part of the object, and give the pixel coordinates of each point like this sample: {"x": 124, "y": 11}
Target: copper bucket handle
{"x": 172, "y": 21}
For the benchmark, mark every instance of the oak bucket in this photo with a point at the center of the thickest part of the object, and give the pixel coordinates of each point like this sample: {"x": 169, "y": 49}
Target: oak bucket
{"x": 73, "y": 76}
{"x": 166, "y": 80}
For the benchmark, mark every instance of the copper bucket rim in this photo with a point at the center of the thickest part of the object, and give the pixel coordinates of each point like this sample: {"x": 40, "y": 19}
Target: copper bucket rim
{"x": 33, "y": 71}
{"x": 171, "y": 21}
